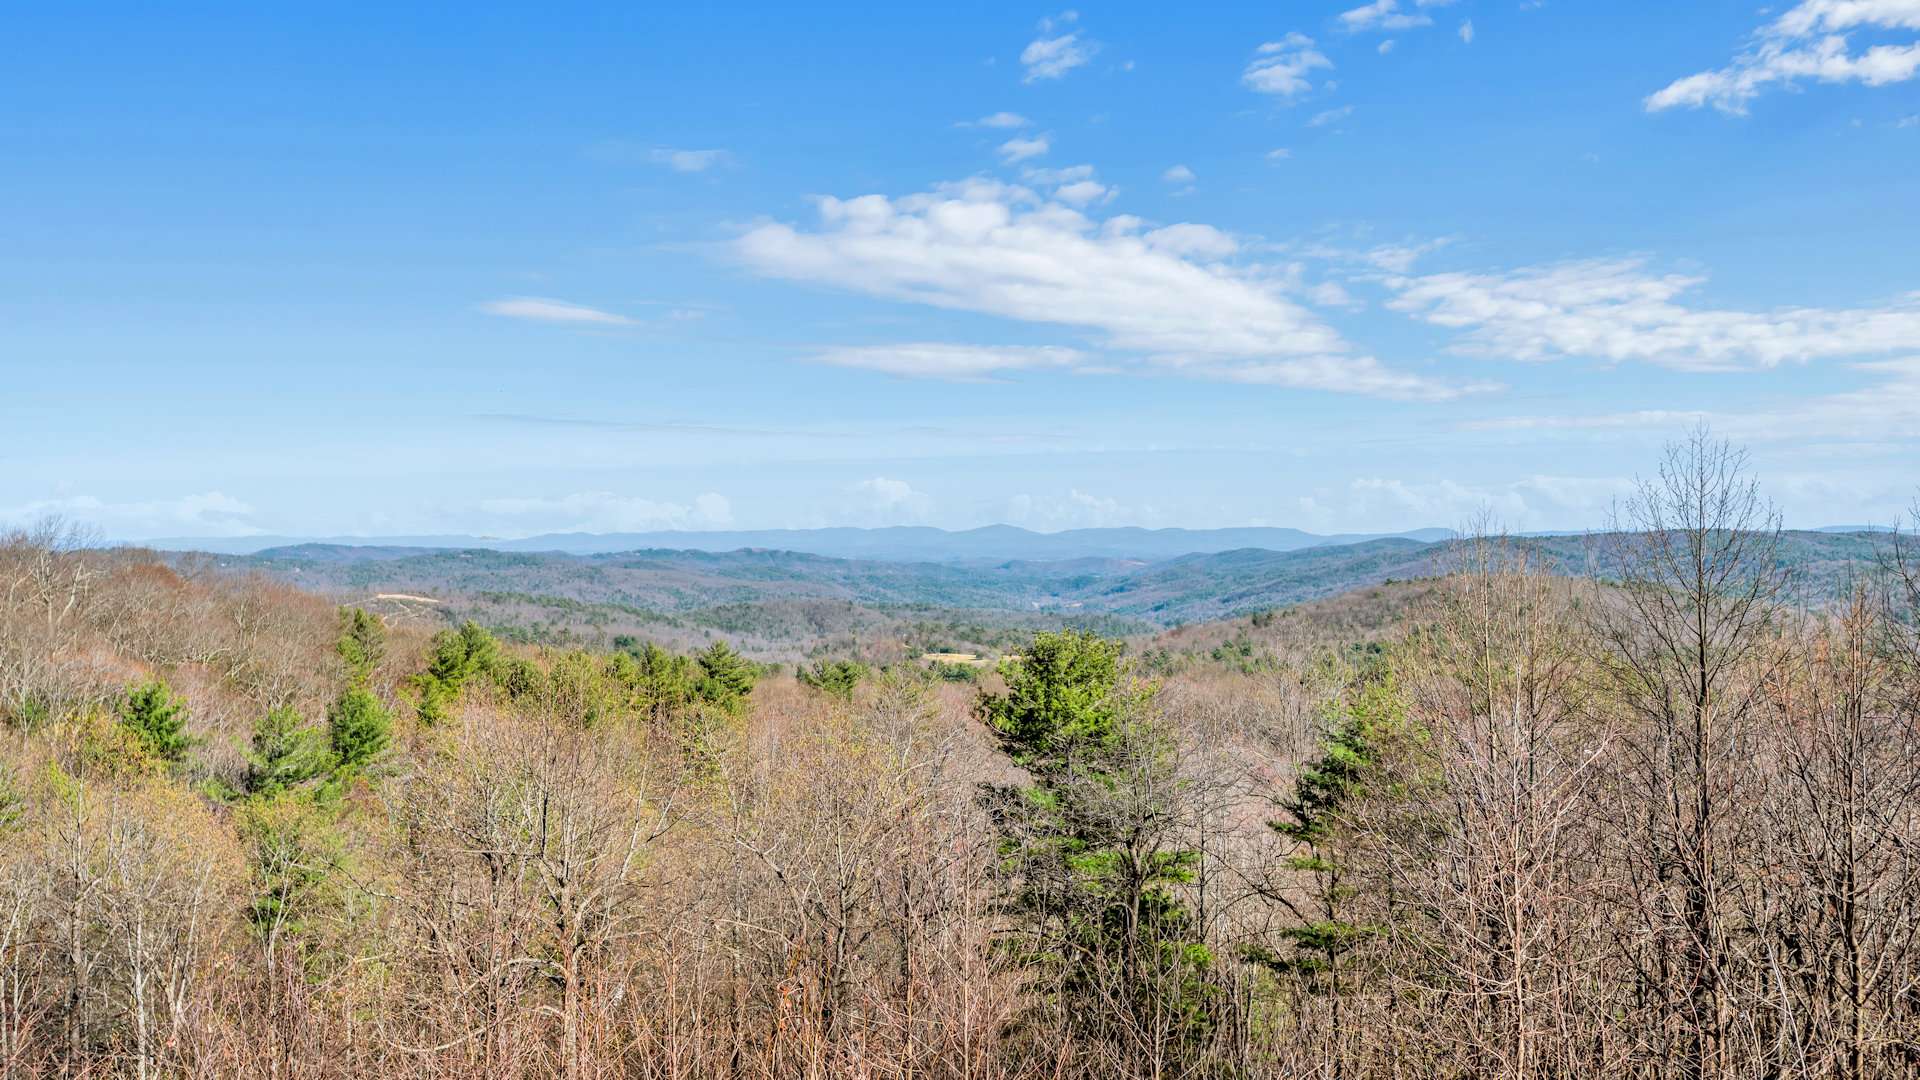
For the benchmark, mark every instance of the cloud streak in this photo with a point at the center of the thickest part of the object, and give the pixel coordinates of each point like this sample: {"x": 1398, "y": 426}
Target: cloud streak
{"x": 1169, "y": 294}
{"x": 1809, "y": 41}
{"x": 957, "y": 363}
{"x": 688, "y": 161}
{"x": 542, "y": 309}
{"x": 1284, "y": 68}
{"x": 1615, "y": 310}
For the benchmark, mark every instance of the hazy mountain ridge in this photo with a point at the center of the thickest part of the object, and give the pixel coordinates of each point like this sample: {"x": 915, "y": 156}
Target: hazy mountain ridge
{"x": 899, "y": 543}
{"x": 1188, "y": 588}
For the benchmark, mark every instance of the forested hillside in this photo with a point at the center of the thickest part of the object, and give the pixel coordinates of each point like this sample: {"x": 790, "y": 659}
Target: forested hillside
{"x": 787, "y": 605}
{"x": 1500, "y": 821}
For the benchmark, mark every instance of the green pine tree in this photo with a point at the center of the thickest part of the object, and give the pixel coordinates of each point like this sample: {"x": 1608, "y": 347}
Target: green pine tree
{"x": 157, "y": 720}
{"x": 358, "y": 728}
{"x": 726, "y": 677}
{"x": 1094, "y": 842}
{"x": 836, "y": 677}
{"x": 362, "y": 644}
{"x": 1361, "y": 768}
{"x": 286, "y": 752}
{"x": 454, "y": 658}
{"x": 662, "y": 684}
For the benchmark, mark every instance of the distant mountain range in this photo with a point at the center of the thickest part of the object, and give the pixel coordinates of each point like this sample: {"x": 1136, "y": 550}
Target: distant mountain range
{"x": 904, "y": 543}
{"x": 1190, "y": 587}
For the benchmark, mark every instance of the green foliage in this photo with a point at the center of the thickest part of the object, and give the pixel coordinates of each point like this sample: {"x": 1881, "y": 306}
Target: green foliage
{"x": 1360, "y": 750}
{"x": 586, "y": 687}
{"x": 454, "y": 657}
{"x": 362, "y": 644}
{"x": 13, "y": 798}
{"x": 358, "y": 728}
{"x": 292, "y": 846}
{"x": 661, "y": 683}
{"x": 726, "y": 677}
{"x": 1091, "y": 843}
{"x": 951, "y": 671}
{"x": 1063, "y": 700}
{"x": 157, "y": 721}
{"x": 836, "y": 677}
{"x": 286, "y": 752}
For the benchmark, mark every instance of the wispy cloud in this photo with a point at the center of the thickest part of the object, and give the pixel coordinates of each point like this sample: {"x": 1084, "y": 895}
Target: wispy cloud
{"x": 541, "y": 309}
{"x": 1809, "y": 41}
{"x": 1075, "y": 510}
{"x": 1164, "y": 294}
{"x": 1466, "y": 31}
{"x": 955, "y": 363}
{"x": 1886, "y": 409}
{"x": 1382, "y": 15}
{"x": 688, "y": 161}
{"x": 1330, "y": 116}
{"x": 1178, "y": 174}
{"x": 604, "y": 511}
{"x": 1616, "y": 310}
{"x": 208, "y": 513}
{"x": 1021, "y": 149}
{"x": 886, "y": 500}
{"x": 1052, "y": 57}
{"x": 1284, "y": 68}
{"x": 998, "y": 120}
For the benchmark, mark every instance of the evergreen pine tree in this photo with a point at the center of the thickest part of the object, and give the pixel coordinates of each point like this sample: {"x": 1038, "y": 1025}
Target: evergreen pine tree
{"x": 358, "y": 728}
{"x": 287, "y": 752}
{"x": 1094, "y": 841}
{"x": 362, "y": 644}
{"x": 157, "y": 721}
{"x": 726, "y": 677}
{"x": 836, "y": 677}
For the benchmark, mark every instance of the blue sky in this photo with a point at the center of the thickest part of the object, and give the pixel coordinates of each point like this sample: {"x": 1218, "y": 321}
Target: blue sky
{"x": 376, "y": 270}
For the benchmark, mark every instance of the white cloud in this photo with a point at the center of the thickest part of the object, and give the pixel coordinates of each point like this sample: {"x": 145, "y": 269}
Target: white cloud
{"x": 1348, "y": 374}
{"x": 1023, "y": 148}
{"x": 209, "y": 513}
{"x": 998, "y": 120}
{"x": 1066, "y": 174}
{"x": 1332, "y": 294}
{"x": 539, "y": 309}
{"x": 1385, "y": 47}
{"x": 1083, "y": 193}
{"x": 688, "y": 161}
{"x": 1382, "y": 15}
{"x": 1888, "y": 408}
{"x": 1282, "y": 68}
{"x": 1075, "y": 510}
{"x": 605, "y": 511}
{"x": 1051, "y": 58}
{"x": 1808, "y": 41}
{"x": 1178, "y": 174}
{"x": 1330, "y": 116}
{"x": 1533, "y": 502}
{"x": 1615, "y": 310}
{"x": 1280, "y": 154}
{"x": 960, "y": 363}
{"x": 1072, "y": 184}
{"x": 886, "y": 500}
{"x": 1466, "y": 31}
{"x": 998, "y": 249}
{"x": 1192, "y": 241}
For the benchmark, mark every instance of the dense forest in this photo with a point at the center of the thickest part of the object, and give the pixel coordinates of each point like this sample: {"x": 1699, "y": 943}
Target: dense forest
{"x": 1656, "y": 819}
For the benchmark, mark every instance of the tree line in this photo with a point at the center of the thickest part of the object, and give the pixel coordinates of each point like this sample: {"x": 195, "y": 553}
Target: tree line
{"x": 1660, "y": 824}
